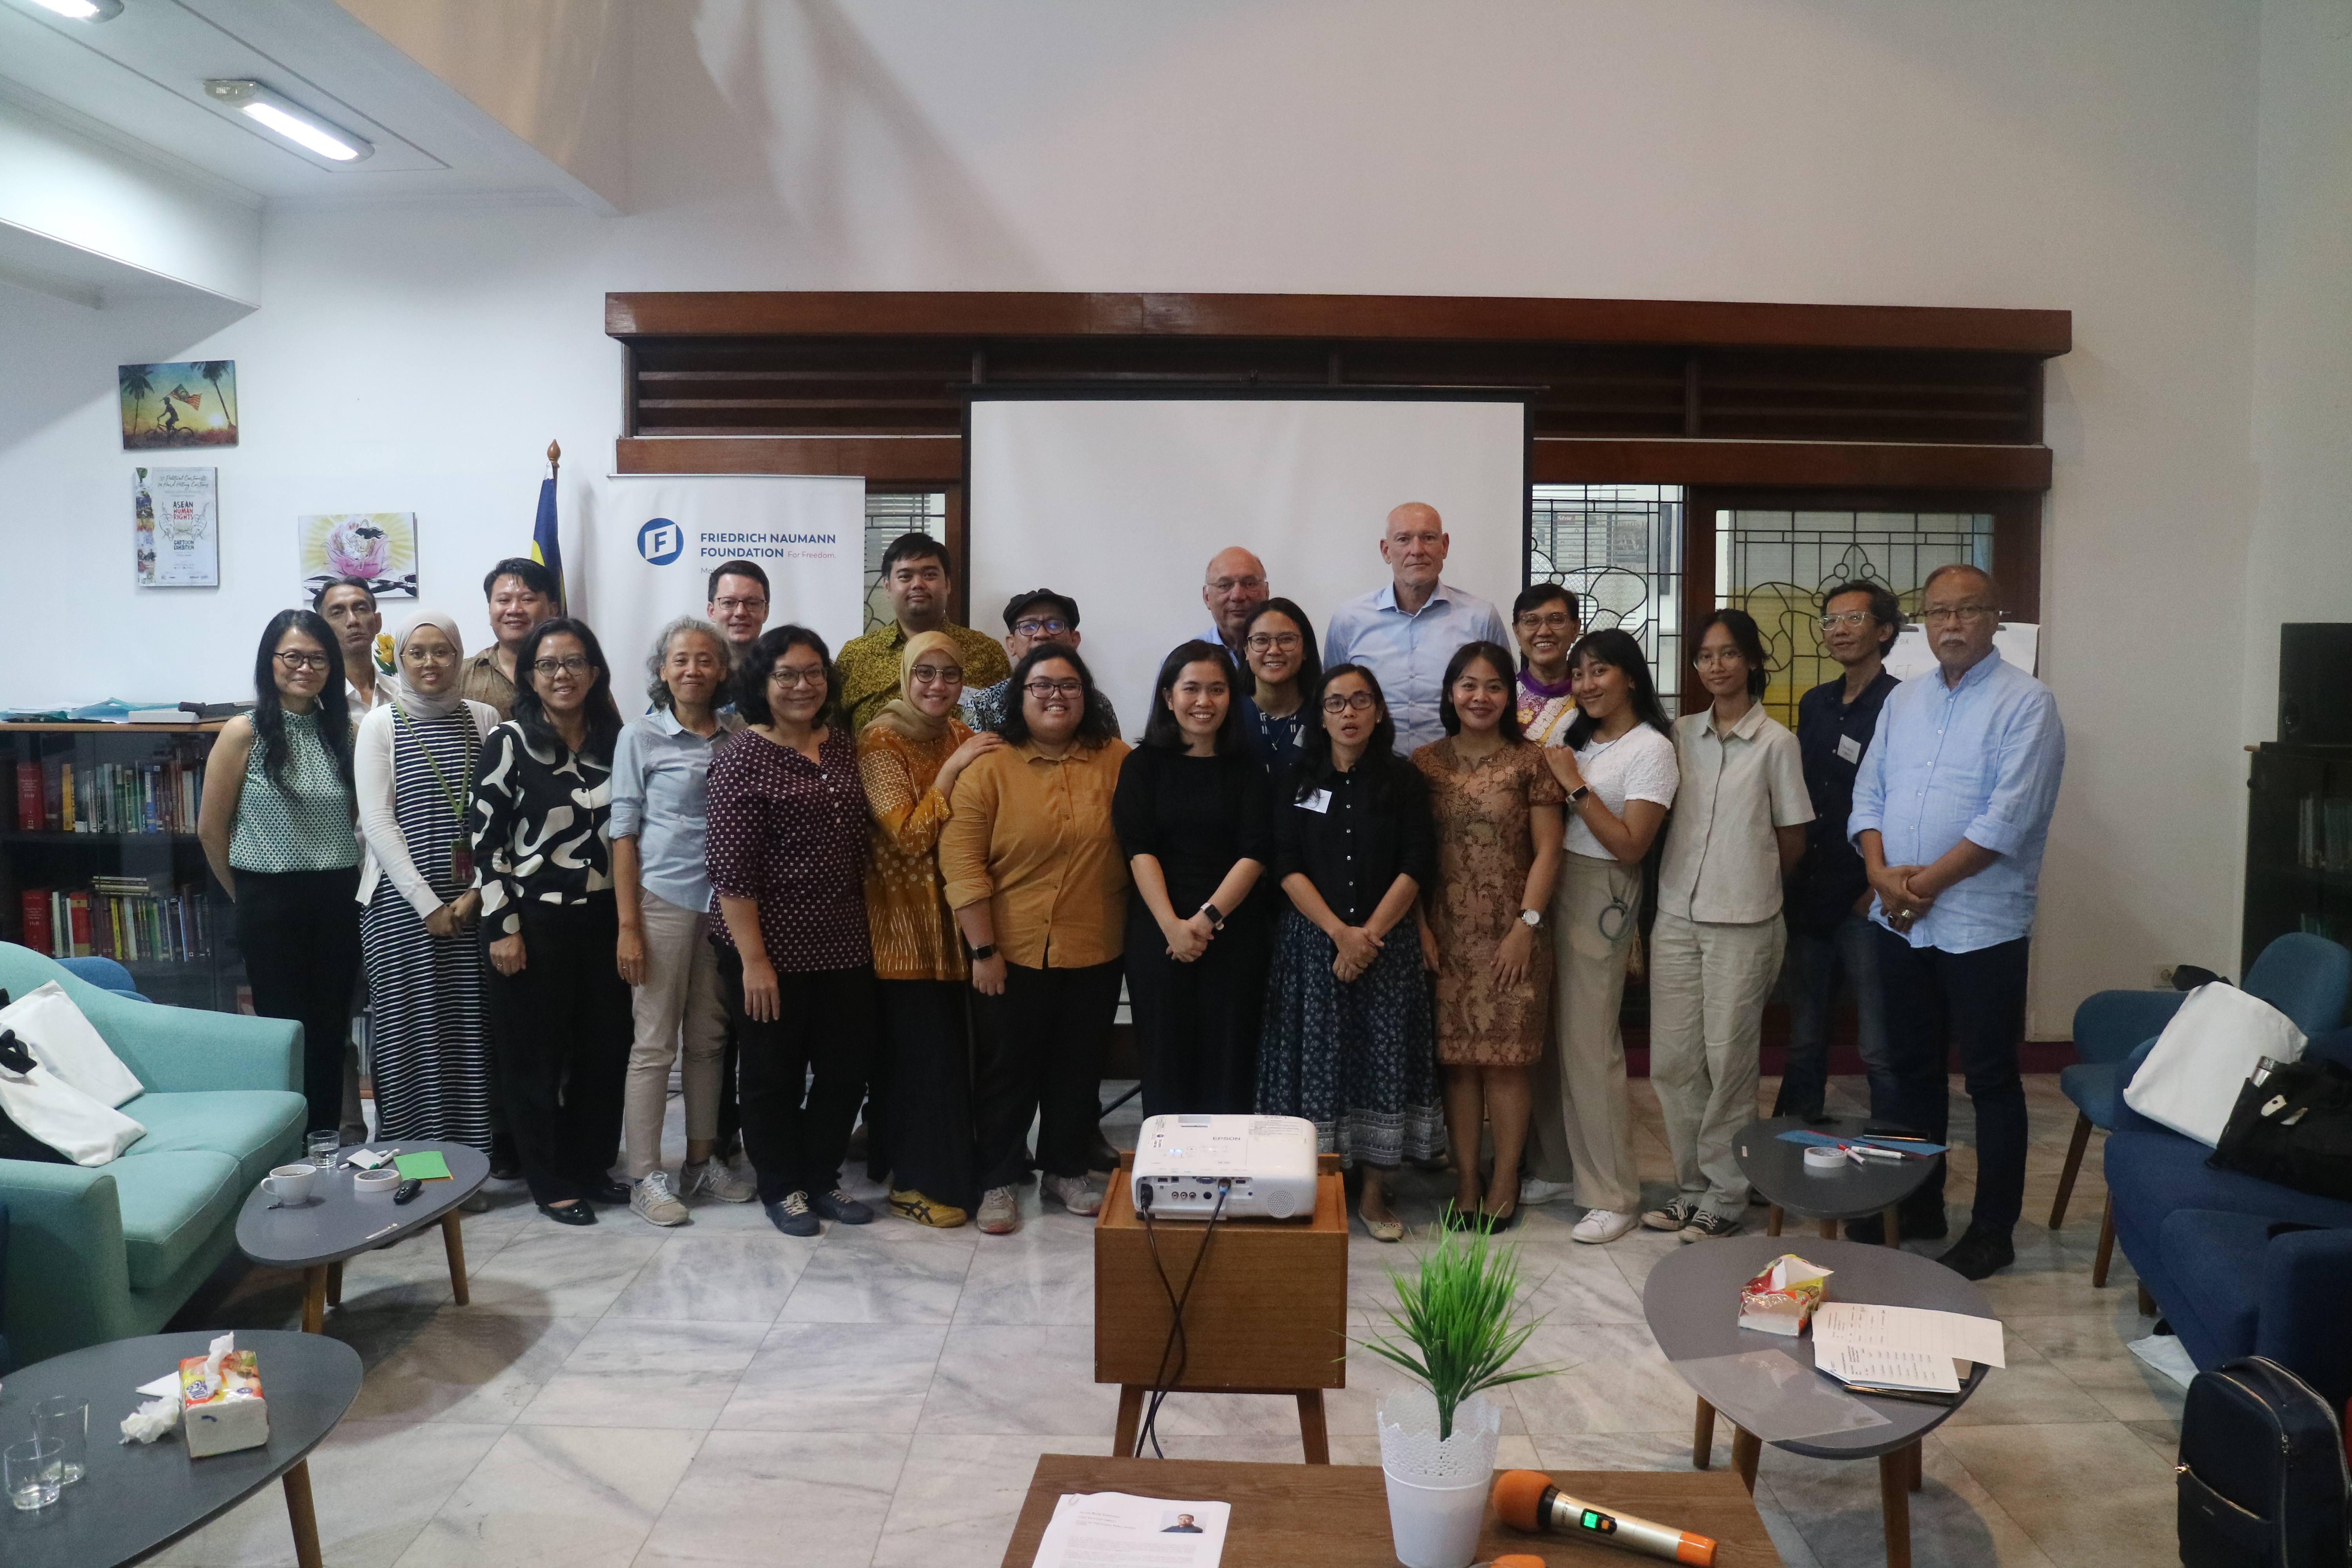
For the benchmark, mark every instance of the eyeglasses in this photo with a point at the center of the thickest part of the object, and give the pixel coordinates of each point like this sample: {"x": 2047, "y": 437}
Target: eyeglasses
{"x": 1227, "y": 585}
{"x": 302, "y": 661}
{"x": 1337, "y": 703}
{"x": 1959, "y": 612}
{"x": 780, "y": 676}
{"x": 1040, "y": 628}
{"x": 736, "y": 607}
{"x": 927, "y": 673}
{"x": 1709, "y": 657}
{"x": 1557, "y": 621}
{"x": 428, "y": 655}
{"x": 1848, "y": 618}
{"x": 569, "y": 664}
{"x": 1041, "y": 689}
{"x": 1266, "y": 642}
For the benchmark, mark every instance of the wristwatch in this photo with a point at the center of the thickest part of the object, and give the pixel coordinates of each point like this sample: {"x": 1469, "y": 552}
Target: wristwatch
{"x": 1531, "y": 918}
{"x": 1216, "y": 916}
{"x": 1579, "y": 793}
{"x": 982, "y": 954}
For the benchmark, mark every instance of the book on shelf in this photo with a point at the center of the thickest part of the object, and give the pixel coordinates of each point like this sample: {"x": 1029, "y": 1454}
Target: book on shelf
{"x": 33, "y": 911}
{"x": 28, "y": 797}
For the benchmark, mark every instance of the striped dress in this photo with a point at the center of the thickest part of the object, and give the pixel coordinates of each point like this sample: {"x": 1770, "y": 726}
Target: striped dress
{"x": 429, "y": 1040}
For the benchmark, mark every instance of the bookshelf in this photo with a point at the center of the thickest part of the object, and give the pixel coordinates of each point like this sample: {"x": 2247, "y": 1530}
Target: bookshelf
{"x": 113, "y": 867}
{"x": 2298, "y": 845}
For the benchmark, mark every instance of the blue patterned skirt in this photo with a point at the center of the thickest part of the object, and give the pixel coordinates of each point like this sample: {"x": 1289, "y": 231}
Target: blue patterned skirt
{"x": 1359, "y": 1059}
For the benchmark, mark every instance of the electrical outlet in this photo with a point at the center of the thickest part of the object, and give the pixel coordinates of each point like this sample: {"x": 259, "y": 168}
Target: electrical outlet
{"x": 2164, "y": 974}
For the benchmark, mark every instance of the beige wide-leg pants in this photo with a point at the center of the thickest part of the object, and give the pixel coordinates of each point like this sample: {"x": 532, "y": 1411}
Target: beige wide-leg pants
{"x": 1708, "y": 984}
{"x": 1583, "y": 1121}
{"x": 680, "y": 999}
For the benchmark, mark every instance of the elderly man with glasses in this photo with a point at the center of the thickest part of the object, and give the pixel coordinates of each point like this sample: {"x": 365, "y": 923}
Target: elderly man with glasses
{"x": 1951, "y": 810}
{"x": 1233, "y": 588}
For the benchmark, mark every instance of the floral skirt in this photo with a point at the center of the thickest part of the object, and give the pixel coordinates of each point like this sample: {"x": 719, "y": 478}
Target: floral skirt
{"x": 1356, "y": 1058}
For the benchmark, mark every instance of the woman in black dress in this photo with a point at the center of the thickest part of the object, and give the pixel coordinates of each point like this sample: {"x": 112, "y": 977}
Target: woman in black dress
{"x": 1190, "y": 811}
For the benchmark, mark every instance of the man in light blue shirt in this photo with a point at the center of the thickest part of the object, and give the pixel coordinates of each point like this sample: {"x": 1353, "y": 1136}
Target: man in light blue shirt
{"x": 1951, "y": 810}
{"x": 1407, "y": 631}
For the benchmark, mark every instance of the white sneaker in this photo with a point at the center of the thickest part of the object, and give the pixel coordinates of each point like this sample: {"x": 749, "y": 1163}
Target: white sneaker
{"x": 999, "y": 1212}
{"x": 1600, "y": 1226}
{"x": 652, "y": 1201}
{"x": 1533, "y": 1191}
{"x": 1080, "y": 1196}
{"x": 716, "y": 1178}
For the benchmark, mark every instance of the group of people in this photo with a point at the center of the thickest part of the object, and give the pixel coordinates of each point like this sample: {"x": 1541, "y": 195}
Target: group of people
{"x": 1388, "y": 880}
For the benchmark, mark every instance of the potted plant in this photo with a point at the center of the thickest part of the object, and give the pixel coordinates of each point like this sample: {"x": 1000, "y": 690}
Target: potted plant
{"x": 1457, "y": 1328}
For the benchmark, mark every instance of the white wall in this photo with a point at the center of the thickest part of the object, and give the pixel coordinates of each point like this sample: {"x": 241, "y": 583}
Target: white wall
{"x": 2098, "y": 156}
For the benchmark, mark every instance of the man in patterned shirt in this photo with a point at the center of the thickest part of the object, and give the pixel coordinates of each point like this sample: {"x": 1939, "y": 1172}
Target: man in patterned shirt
{"x": 1038, "y": 616}
{"x": 917, "y": 576}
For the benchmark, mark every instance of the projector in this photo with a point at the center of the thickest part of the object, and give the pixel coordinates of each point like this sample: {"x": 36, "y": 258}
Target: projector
{"x": 1262, "y": 1166}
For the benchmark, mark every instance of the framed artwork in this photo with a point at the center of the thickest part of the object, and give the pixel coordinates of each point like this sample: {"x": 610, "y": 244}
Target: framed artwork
{"x": 175, "y": 527}
{"x": 379, "y": 547}
{"x": 186, "y": 403}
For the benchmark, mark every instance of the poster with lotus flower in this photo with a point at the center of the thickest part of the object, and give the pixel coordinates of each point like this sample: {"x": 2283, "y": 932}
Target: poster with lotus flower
{"x": 379, "y": 548}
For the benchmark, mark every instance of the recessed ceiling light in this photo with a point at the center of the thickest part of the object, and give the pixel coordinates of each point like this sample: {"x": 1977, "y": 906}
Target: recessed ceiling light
{"x": 288, "y": 120}
{"x": 84, "y": 10}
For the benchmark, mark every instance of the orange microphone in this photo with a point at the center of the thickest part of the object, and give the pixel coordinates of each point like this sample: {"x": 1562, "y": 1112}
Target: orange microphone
{"x": 1527, "y": 1500}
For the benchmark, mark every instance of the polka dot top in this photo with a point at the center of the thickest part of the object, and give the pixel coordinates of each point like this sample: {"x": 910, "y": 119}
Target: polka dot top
{"x": 792, "y": 835}
{"x": 303, "y": 827}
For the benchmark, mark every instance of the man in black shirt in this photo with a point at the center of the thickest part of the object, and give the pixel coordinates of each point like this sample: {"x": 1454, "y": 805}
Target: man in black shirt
{"x": 1829, "y": 892}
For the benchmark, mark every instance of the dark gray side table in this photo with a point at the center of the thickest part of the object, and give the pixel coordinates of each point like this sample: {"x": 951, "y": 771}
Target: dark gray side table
{"x": 1690, "y": 1304}
{"x": 335, "y": 1223}
{"x": 133, "y": 1499}
{"x": 1776, "y": 1168}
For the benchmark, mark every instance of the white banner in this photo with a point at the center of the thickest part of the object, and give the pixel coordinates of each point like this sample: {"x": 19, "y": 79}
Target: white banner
{"x": 648, "y": 544}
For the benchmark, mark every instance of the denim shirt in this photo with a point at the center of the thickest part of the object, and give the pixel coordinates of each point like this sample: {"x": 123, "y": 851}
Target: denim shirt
{"x": 1979, "y": 760}
{"x": 1410, "y": 652}
{"x": 661, "y": 772}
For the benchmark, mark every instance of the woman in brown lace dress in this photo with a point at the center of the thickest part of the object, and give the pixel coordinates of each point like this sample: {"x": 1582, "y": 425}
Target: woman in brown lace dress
{"x": 1498, "y": 844}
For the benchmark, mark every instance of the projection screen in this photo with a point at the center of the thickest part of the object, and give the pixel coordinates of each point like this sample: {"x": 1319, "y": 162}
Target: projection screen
{"x": 1121, "y": 501}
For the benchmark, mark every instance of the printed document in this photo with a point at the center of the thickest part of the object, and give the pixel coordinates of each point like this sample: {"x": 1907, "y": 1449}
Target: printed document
{"x": 1113, "y": 1530}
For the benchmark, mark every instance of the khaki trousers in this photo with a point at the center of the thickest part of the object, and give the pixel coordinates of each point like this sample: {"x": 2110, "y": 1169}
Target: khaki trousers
{"x": 1708, "y": 984}
{"x": 679, "y": 997}
{"x": 1581, "y": 1123}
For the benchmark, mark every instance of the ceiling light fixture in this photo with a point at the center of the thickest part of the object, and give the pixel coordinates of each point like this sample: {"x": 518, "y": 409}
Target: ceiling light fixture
{"x": 286, "y": 119}
{"x": 84, "y": 10}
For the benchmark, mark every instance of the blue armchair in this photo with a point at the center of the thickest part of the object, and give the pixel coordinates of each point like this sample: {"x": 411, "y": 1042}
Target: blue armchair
{"x": 104, "y": 973}
{"x": 2305, "y": 977}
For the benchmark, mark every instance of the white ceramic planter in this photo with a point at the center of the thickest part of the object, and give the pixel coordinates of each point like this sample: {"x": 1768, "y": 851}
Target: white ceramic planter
{"x": 1437, "y": 1490}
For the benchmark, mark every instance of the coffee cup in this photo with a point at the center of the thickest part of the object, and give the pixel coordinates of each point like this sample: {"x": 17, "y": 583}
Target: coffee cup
{"x": 290, "y": 1184}
{"x": 378, "y": 1183}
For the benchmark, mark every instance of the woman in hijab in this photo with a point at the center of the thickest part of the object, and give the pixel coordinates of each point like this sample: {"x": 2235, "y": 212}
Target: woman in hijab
{"x": 918, "y": 1112}
{"x": 413, "y": 765}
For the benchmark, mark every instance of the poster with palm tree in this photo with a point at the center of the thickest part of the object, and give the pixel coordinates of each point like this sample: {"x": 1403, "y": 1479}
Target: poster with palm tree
{"x": 186, "y": 403}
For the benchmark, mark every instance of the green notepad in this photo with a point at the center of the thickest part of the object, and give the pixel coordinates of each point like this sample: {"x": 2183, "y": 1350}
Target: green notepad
{"x": 427, "y": 1166}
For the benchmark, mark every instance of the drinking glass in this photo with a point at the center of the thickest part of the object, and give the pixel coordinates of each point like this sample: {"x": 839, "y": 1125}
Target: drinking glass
{"x": 66, "y": 1418}
{"x": 323, "y": 1145}
{"x": 33, "y": 1472}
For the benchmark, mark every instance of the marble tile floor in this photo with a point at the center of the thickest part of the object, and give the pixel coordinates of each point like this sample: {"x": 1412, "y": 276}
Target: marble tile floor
{"x": 628, "y": 1398}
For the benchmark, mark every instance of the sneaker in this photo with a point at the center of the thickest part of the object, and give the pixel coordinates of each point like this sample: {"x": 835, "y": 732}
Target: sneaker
{"x": 999, "y": 1212}
{"x": 1673, "y": 1216}
{"x": 1601, "y": 1225}
{"x": 1078, "y": 1194}
{"x": 789, "y": 1213}
{"x": 1534, "y": 1191}
{"x": 840, "y": 1206}
{"x": 651, "y": 1200}
{"x": 1979, "y": 1254}
{"x": 1704, "y": 1226}
{"x": 717, "y": 1179}
{"x": 912, "y": 1206}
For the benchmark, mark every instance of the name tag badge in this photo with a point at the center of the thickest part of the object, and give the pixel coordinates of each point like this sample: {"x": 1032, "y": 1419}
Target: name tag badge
{"x": 1318, "y": 803}
{"x": 1849, "y": 748}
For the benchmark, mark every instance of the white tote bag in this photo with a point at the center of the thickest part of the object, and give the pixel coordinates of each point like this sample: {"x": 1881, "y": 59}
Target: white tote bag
{"x": 2190, "y": 1082}
{"x": 70, "y": 1045}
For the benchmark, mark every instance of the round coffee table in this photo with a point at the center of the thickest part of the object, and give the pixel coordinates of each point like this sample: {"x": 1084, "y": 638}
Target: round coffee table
{"x": 1690, "y": 1304}
{"x": 335, "y": 1223}
{"x": 1776, "y": 1168}
{"x": 136, "y": 1498}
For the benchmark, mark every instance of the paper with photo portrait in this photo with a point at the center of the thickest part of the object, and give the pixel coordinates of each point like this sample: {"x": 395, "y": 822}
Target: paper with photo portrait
{"x": 1115, "y": 1530}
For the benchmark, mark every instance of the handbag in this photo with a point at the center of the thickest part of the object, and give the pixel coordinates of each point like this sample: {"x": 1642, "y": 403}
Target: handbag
{"x": 2292, "y": 1125}
{"x": 2261, "y": 1478}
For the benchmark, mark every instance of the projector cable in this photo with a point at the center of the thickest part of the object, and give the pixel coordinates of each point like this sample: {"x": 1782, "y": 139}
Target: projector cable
{"x": 1177, "y": 1346}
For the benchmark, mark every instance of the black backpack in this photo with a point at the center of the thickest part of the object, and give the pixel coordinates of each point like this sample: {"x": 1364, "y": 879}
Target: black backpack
{"x": 2261, "y": 1476}
{"x": 2292, "y": 1125}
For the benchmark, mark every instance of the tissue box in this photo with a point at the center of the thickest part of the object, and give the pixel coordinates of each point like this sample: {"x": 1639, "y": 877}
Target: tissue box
{"x": 1780, "y": 1299}
{"x": 224, "y": 1416}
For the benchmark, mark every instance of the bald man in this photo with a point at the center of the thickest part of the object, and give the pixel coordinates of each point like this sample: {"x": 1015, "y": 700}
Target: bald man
{"x": 1233, "y": 587}
{"x": 1406, "y": 630}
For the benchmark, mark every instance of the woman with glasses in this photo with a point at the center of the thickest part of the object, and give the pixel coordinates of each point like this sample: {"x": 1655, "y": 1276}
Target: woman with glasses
{"x": 1348, "y": 1040}
{"x": 1544, "y": 624}
{"x": 787, "y": 857}
{"x": 276, "y": 825}
{"x": 1615, "y": 761}
{"x": 1190, "y": 812}
{"x": 1716, "y": 949}
{"x": 918, "y": 1106}
{"x": 1496, "y": 808}
{"x": 543, "y": 859}
{"x": 428, "y": 1039}
{"x": 661, "y": 769}
{"x": 1034, "y": 873}
{"x": 1284, "y": 667}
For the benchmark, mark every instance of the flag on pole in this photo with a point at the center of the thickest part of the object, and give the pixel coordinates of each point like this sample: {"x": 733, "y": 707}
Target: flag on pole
{"x": 545, "y": 548}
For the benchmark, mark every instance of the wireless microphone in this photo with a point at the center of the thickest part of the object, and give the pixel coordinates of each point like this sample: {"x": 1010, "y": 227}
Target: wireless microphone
{"x": 1526, "y": 1500}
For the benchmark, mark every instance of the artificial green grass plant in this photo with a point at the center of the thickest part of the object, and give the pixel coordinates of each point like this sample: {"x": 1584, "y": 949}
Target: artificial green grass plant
{"x": 1455, "y": 1314}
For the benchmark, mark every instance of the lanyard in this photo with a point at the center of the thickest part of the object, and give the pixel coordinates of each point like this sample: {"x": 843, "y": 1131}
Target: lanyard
{"x": 457, "y": 803}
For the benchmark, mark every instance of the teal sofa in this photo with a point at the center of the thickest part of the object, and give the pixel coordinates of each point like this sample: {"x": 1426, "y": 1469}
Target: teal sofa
{"x": 104, "y": 1254}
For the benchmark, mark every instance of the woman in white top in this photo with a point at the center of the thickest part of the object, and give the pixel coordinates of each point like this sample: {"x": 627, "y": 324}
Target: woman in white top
{"x": 428, "y": 1045}
{"x": 1616, "y": 763}
{"x": 1715, "y": 949}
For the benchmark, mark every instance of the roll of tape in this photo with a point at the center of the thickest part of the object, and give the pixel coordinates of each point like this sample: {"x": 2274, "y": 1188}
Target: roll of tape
{"x": 1821, "y": 1159}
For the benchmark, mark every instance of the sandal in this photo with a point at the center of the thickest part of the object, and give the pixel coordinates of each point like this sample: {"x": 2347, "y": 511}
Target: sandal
{"x": 1386, "y": 1228}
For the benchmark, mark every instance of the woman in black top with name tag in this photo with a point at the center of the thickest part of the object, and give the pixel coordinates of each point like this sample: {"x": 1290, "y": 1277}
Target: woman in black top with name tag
{"x": 1190, "y": 812}
{"x": 1350, "y": 1041}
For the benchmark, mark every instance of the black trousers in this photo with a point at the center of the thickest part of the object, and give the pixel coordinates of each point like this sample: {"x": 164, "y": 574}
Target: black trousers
{"x": 1041, "y": 1051}
{"x": 802, "y": 1074}
{"x": 1197, "y": 1022}
{"x": 919, "y": 1104}
{"x": 300, "y": 934}
{"x": 560, "y": 1035}
{"x": 1975, "y": 1003}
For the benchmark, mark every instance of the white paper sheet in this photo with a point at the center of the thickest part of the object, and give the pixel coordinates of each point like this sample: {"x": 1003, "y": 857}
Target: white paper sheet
{"x": 1115, "y": 1530}
{"x": 1878, "y": 1366}
{"x": 1953, "y": 1334}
